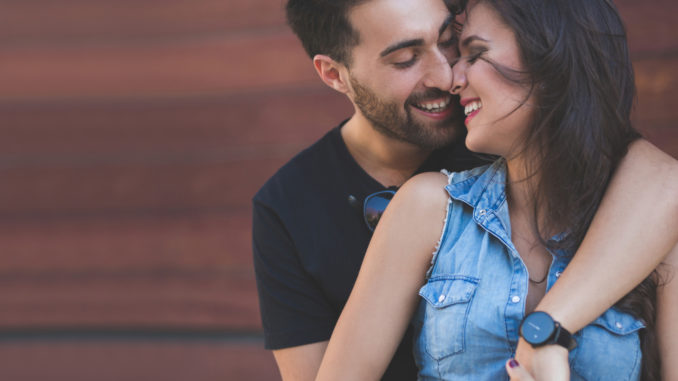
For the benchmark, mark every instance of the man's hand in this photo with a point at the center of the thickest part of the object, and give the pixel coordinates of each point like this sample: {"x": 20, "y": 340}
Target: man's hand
{"x": 549, "y": 362}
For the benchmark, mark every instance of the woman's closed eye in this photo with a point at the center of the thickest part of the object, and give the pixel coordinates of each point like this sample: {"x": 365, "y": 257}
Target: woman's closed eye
{"x": 474, "y": 55}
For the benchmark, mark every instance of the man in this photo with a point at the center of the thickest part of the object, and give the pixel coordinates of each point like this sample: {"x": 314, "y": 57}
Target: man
{"x": 391, "y": 59}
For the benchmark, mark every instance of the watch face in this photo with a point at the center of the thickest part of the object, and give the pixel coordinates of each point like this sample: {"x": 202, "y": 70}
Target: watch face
{"x": 537, "y": 328}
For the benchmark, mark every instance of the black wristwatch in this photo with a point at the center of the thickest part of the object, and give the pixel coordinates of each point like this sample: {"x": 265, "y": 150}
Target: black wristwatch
{"x": 538, "y": 329}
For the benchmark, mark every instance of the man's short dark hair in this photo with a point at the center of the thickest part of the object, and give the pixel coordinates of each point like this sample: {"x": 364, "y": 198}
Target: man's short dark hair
{"x": 323, "y": 27}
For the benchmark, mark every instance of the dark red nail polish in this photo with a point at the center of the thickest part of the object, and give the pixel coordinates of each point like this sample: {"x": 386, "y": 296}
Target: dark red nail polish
{"x": 513, "y": 363}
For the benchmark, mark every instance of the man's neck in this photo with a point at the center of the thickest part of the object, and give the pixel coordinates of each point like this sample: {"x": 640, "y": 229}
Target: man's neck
{"x": 387, "y": 160}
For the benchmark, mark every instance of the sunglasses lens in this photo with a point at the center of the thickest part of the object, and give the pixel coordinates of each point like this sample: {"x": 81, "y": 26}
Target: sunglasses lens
{"x": 375, "y": 205}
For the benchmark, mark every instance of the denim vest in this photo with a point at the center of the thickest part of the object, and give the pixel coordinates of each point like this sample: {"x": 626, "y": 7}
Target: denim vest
{"x": 466, "y": 325}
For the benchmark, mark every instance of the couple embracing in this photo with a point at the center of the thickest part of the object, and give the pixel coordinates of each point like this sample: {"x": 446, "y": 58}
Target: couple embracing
{"x": 550, "y": 256}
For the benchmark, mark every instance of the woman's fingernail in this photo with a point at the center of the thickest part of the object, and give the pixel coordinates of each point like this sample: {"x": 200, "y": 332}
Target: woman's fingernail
{"x": 513, "y": 363}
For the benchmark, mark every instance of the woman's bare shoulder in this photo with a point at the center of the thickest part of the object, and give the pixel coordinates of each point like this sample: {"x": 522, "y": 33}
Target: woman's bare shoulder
{"x": 420, "y": 204}
{"x": 428, "y": 186}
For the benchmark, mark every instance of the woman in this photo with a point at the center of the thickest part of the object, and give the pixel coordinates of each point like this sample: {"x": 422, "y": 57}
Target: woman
{"x": 548, "y": 86}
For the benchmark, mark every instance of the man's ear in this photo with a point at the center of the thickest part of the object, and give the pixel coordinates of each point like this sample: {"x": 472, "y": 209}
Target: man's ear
{"x": 331, "y": 72}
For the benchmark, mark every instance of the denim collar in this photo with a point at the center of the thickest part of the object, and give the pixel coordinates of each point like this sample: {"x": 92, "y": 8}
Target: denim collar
{"x": 484, "y": 190}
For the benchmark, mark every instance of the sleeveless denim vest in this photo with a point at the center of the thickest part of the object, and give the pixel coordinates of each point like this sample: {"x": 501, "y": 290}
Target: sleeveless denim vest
{"x": 466, "y": 324}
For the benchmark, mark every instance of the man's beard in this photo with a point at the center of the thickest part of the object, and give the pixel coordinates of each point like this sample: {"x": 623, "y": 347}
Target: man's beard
{"x": 387, "y": 118}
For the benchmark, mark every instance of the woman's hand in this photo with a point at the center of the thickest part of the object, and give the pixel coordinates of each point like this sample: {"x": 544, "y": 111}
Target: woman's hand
{"x": 549, "y": 362}
{"x": 517, "y": 372}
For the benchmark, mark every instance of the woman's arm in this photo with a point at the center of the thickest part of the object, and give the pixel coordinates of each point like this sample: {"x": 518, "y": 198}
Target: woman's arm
{"x": 633, "y": 230}
{"x": 386, "y": 292}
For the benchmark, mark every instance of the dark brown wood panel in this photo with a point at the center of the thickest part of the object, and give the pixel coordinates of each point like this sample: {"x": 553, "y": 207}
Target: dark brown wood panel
{"x": 221, "y": 299}
{"x": 38, "y": 133}
{"x": 138, "y": 244}
{"x": 657, "y": 83}
{"x": 67, "y": 21}
{"x": 665, "y": 137}
{"x": 137, "y": 185}
{"x": 650, "y": 25}
{"x": 159, "y": 69}
{"x": 122, "y": 359}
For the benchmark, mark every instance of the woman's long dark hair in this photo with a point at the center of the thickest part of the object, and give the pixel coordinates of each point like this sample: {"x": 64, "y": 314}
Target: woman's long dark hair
{"x": 577, "y": 65}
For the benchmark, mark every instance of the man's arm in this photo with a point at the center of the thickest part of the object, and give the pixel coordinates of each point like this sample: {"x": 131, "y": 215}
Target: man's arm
{"x": 300, "y": 363}
{"x": 633, "y": 230}
{"x": 296, "y": 316}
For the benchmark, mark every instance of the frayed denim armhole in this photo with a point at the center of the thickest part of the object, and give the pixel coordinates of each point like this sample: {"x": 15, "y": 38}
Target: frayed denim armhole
{"x": 450, "y": 176}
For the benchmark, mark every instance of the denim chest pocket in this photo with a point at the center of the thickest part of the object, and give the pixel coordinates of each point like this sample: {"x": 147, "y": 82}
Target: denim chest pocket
{"x": 608, "y": 349}
{"x": 445, "y": 312}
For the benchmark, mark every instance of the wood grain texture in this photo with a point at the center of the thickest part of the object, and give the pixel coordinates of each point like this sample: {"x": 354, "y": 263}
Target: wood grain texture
{"x": 169, "y": 243}
{"x": 650, "y": 26}
{"x": 221, "y": 299}
{"x": 191, "y": 126}
{"x": 35, "y": 21}
{"x": 165, "y": 68}
{"x": 125, "y": 359}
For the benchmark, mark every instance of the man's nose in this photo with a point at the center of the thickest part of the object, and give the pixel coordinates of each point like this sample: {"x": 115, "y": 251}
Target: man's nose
{"x": 439, "y": 73}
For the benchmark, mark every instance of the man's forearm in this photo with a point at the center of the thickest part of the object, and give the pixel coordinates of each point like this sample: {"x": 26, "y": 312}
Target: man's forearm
{"x": 633, "y": 230}
{"x": 300, "y": 363}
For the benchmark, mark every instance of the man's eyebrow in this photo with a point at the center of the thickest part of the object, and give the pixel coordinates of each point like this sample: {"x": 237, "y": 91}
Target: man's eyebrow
{"x": 470, "y": 39}
{"x": 445, "y": 25}
{"x": 401, "y": 45}
{"x": 416, "y": 42}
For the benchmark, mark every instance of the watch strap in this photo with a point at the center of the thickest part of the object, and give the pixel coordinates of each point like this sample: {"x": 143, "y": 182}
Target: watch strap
{"x": 564, "y": 338}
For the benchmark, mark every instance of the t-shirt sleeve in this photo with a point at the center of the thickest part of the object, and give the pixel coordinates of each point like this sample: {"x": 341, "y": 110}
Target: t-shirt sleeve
{"x": 294, "y": 310}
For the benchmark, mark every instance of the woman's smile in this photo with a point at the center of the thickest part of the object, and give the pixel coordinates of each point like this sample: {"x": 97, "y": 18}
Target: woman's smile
{"x": 472, "y": 107}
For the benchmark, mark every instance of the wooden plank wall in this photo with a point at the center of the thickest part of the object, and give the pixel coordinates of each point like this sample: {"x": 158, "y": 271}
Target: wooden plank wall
{"x": 134, "y": 133}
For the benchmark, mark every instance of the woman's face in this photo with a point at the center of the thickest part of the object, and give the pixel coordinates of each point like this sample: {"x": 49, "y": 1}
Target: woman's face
{"x": 497, "y": 109}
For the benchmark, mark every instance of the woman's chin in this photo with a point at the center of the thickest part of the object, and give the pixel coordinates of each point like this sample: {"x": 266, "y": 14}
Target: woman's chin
{"x": 474, "y": 145}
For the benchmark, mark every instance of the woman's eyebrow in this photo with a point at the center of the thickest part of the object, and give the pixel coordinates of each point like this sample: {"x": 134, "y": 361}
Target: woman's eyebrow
{"x": 472, "y": 38}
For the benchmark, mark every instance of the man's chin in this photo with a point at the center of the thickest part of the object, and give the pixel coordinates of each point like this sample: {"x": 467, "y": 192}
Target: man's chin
{"x": 434, "y": 137}
{"x": 444, "y": 127}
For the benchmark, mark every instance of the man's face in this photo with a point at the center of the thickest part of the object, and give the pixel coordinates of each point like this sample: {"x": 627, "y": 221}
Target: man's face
{"x": 400, "y": 73}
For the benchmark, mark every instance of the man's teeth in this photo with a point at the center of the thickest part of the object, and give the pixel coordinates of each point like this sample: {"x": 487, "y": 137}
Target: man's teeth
{"x": 434, "y": 106}
{"x": 471, "y": 107}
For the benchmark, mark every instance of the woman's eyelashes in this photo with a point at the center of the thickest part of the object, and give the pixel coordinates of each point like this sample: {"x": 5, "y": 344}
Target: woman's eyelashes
{"x": 474, "y": 55}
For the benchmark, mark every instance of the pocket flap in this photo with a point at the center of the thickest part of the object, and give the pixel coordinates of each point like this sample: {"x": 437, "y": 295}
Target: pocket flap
{"x": 443, "y": 291}
{"x": 618, "y": 322}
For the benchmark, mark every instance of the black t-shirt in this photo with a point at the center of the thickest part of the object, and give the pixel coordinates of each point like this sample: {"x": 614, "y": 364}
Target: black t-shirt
{"x": 309, "y": 242}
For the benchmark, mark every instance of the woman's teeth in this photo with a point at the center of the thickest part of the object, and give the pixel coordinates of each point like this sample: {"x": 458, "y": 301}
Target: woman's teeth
{"x": 434, "y": 106}
{"x": 471, "y": 107}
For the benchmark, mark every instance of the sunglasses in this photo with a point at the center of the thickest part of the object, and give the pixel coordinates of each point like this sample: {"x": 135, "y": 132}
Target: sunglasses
{"x": 374, "y": 206}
